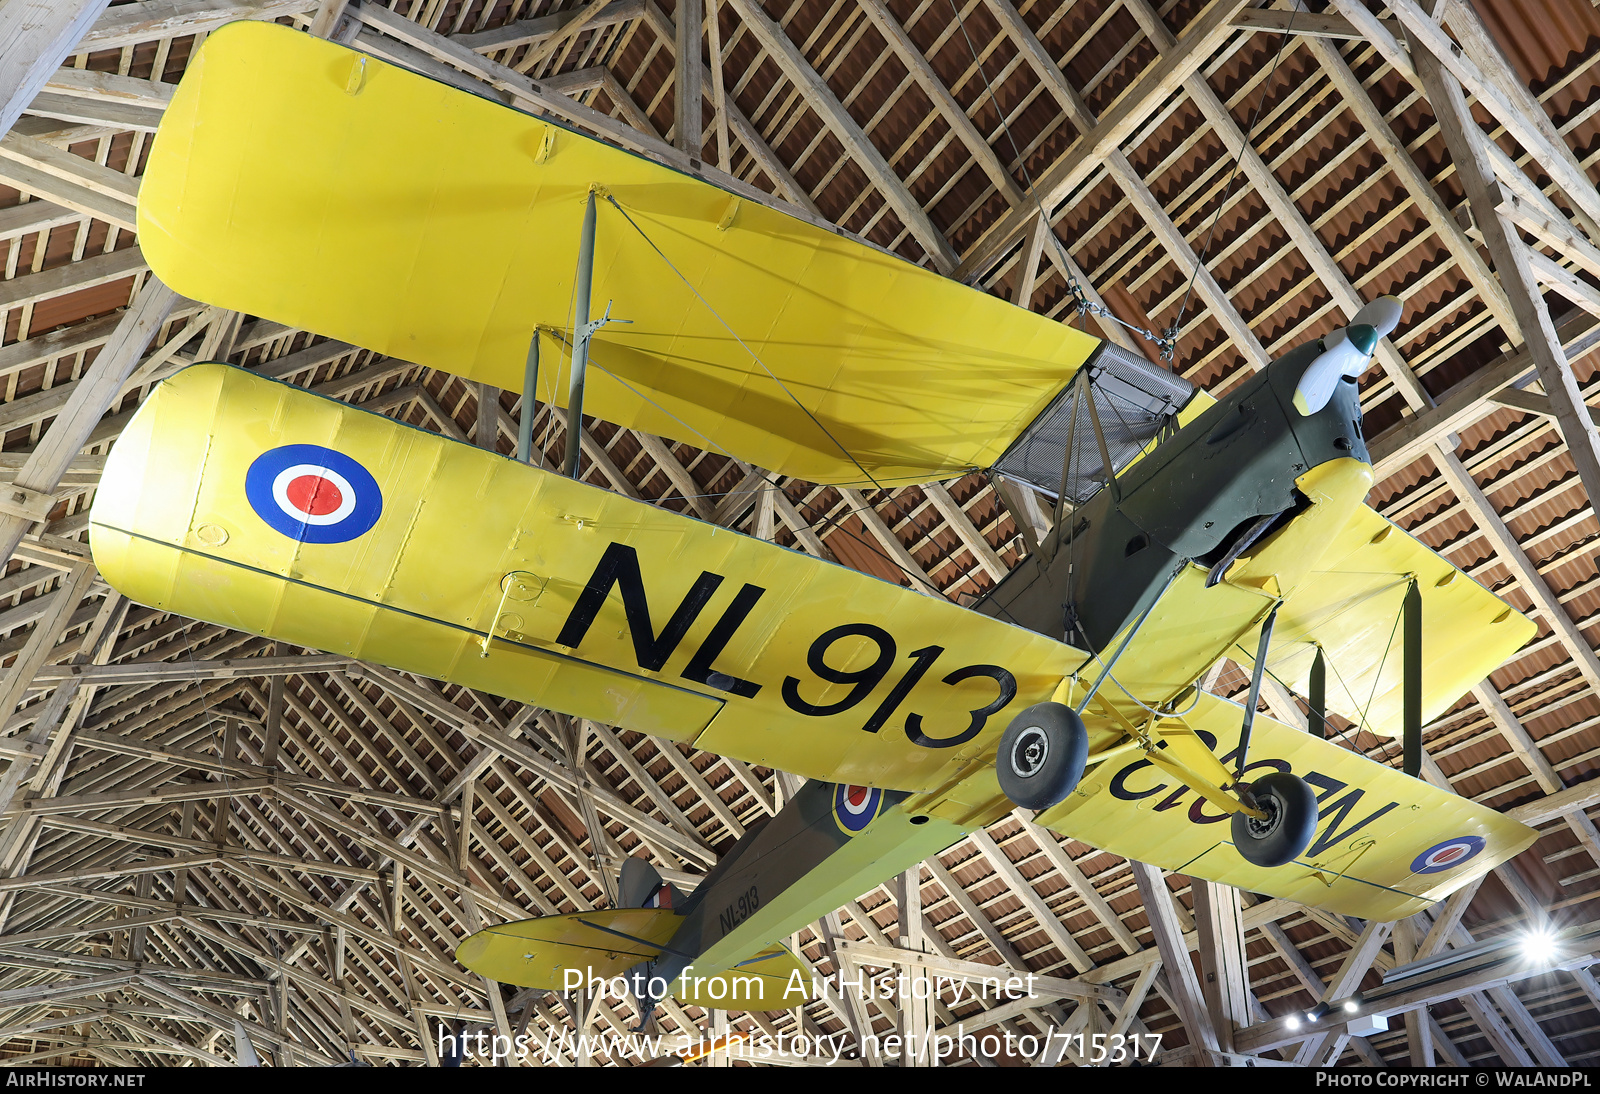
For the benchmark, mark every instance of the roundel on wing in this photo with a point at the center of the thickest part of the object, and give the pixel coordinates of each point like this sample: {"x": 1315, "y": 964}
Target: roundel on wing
{"x": 855, "y": 807}
{"x": 1447, "y": 855}
{"x": 313, "y": 494}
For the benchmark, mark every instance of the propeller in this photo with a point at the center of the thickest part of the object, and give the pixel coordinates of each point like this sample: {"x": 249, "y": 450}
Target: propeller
{"x": 1345, "y": 353}
{"x": 243, "y": 1050}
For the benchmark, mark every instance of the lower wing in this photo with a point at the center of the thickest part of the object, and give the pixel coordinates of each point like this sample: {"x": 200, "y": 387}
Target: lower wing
{"x": 1386, "y": 845}
{"x": 262, "y": 507}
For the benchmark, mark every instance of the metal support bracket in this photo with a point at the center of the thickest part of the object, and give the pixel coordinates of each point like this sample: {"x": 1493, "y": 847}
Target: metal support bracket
{"x": 31, "y": 505}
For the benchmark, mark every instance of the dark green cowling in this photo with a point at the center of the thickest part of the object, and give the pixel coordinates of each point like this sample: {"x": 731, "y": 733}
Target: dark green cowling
{"x": 1187, "y": 501}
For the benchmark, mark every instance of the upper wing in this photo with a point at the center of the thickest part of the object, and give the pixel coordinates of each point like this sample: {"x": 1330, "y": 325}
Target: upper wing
{"x": 1386, "y": 845}
{"x": 262, "y": 507}
{"x": 301, "y": 181}
{"x": 1351, "y": 608}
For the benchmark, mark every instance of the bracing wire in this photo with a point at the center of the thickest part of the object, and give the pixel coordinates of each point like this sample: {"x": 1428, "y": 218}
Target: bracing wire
{"x": 828, "y": 520}
{"x": 1081, "y": 304}
{"x": 754, "y": 356}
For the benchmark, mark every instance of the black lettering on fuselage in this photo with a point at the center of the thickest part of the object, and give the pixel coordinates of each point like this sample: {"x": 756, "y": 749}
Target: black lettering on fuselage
{"x": 619, "y": 567}
{"x": 739, "y": 910}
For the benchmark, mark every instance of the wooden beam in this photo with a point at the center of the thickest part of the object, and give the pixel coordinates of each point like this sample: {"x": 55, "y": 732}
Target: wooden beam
{"x": 1187, "y": 998}
{"x": 1159, "y": 80}
{"x": 35, "y": 37}
{"x": 1306, "y": 23}
{"x": 148, "y": 20}
{"x": 820, "y": 98}
{"x": 1223, "y": 963}
{"x": 687, "y": 94}
{"x": 1477, "y": 63}
{"x": 1467, "y": 142}
{"x": 88, "y": 403}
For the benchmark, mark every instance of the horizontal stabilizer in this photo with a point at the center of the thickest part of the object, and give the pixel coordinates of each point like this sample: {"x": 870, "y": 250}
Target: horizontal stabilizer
{"x": 1351, "y": 608}
{"x": 560, "y": 952}
{"x": 771, "y": 980}
{"x": 536, "y": 953}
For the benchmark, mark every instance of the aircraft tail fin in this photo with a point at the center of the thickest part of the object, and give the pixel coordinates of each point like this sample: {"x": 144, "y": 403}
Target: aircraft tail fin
{"x": 640, "y": 886}
{"x": 244, "y": 1051}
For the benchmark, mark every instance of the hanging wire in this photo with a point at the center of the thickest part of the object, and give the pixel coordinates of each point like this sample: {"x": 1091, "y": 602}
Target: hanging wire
{"x": 1167, "y": 339}
{"x": 1081, "y": 304}
{"x": 1171, "y": 333}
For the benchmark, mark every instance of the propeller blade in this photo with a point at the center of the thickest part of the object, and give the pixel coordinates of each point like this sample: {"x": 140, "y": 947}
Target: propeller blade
{"x": 1341, "y": 356}
{"x": 1346, "y": 352}
{"x": 1382, "y": 315}
{"x": 243, "y": 1050}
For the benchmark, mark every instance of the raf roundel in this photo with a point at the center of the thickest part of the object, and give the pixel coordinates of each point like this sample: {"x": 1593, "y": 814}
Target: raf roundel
{"x": 1447, "y": 855}
{"x": 855, "y": 807}
{"x": 313, "y": 494}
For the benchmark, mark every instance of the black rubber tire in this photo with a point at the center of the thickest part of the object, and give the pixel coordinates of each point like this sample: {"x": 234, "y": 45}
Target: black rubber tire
{"x": 1042, "y": 755}
{"x": 1291, "y": 805}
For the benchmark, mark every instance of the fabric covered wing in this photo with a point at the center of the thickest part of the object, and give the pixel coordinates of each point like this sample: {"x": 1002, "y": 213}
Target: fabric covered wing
{"x": 263, "y": 507}
{"x": 1386, "y": 845}
{"x": 299, "y": 180}
{"x": 1351, "y": 608}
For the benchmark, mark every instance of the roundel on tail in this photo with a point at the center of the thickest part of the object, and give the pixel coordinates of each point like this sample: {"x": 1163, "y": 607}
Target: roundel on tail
{"x": 313, "y": 494}
{"x": 855, "y": 807}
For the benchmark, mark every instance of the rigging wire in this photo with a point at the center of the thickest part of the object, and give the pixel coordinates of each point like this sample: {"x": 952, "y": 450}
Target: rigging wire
{"x": 1171, "y": 333}
{"x": 827, "y": 520}
{"x": 1081, "y": 303}
{"x": 754, "y": 356}
{"x": 833, "y": 520}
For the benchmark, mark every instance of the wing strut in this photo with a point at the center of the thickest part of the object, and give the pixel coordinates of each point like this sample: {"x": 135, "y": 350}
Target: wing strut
{"x": 580, "y": 343}
{"x": 1255, "y": 690}
{"x": 530, "y": 385}
{"x": 1411, "y": 681}
{"x": 583, "y": 331}
{"x": 1082, "y": 382}
{"x": 1317, "y": 719}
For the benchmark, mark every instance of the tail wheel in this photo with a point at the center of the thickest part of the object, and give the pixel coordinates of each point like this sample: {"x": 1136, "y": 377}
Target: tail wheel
{"x": 1042, "y": 755}
{"x": 1291, "y": 820}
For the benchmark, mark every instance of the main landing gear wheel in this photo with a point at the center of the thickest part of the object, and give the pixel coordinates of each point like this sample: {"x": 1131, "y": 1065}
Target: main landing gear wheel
{"x": 1042, "y": 755}
{"x": 1291, "y": 807}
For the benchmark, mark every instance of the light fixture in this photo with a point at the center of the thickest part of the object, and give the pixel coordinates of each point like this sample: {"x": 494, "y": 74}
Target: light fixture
{"x": 1539, "y": 945}
{"x": 1293, "y": 1023}
{"x": 1351, "y": 1006}
{"x": 1318, "y": 1012}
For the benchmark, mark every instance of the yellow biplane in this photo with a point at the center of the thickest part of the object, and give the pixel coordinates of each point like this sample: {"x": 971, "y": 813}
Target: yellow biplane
{"x": 305, "y": 182}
